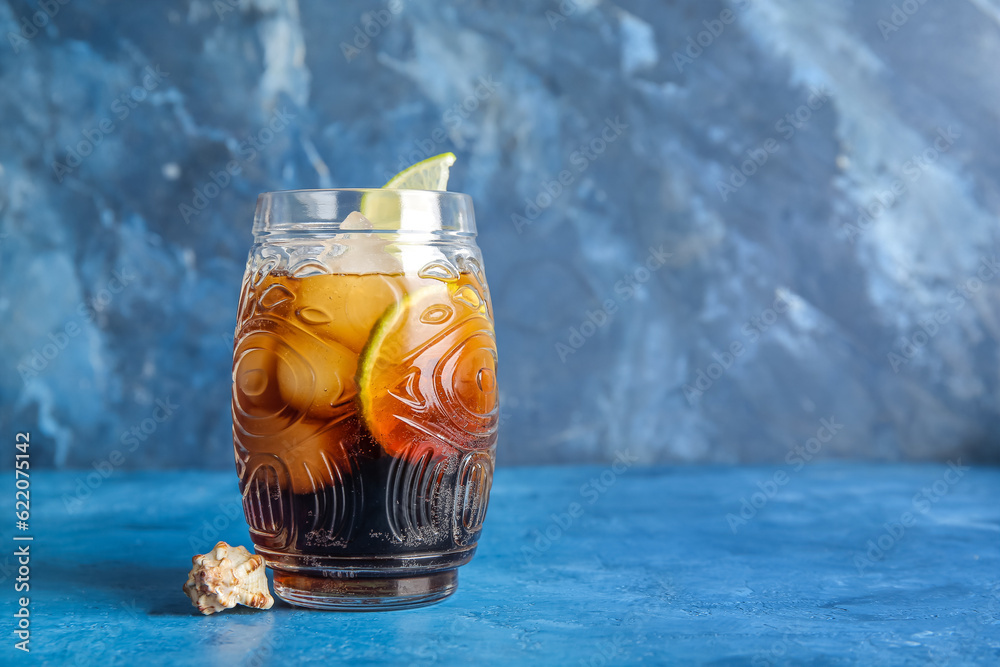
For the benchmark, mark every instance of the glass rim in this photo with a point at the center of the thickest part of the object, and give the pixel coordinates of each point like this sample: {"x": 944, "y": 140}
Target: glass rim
{"x": 390, "y": 210}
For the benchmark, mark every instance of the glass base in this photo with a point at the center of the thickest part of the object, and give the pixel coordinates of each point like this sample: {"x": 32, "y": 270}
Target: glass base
{"x": 364, "y": 593}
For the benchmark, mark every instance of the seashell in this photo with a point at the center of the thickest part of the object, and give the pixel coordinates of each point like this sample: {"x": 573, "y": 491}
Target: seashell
{"x": 225, "y": 577}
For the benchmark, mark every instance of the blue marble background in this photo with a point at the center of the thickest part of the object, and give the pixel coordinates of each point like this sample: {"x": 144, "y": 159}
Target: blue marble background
{"x": 702, "y": 286}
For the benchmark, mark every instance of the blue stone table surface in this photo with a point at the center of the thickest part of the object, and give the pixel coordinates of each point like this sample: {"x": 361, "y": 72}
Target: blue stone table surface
{"x": 826, "y": 564}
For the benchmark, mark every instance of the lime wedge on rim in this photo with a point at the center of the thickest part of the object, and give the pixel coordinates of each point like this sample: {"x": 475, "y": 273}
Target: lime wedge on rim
{"x": 429, "y": 174}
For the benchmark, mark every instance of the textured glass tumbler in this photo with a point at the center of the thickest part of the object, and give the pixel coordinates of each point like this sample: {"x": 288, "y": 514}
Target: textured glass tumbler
{"x": 365, "y": 404}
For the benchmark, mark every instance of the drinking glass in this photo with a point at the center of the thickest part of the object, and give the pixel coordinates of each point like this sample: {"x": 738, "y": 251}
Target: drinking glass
{"x": 364, "y": 400}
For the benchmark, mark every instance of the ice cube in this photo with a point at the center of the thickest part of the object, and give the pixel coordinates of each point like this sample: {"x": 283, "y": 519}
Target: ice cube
{"x": 355, "y": 220}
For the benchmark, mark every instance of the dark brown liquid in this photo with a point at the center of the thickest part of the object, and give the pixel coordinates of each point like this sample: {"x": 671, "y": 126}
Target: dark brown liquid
{"x": 364, "y": 412}
{"x": 388, "y": 505}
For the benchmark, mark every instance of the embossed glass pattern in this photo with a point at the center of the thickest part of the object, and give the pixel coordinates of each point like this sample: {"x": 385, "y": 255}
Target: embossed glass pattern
{"x": 365, "y": 403}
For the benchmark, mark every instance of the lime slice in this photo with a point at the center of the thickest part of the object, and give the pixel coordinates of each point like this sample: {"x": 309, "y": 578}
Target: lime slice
{"x": 428, "y": 373}
{"x": 429, "y": 174}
